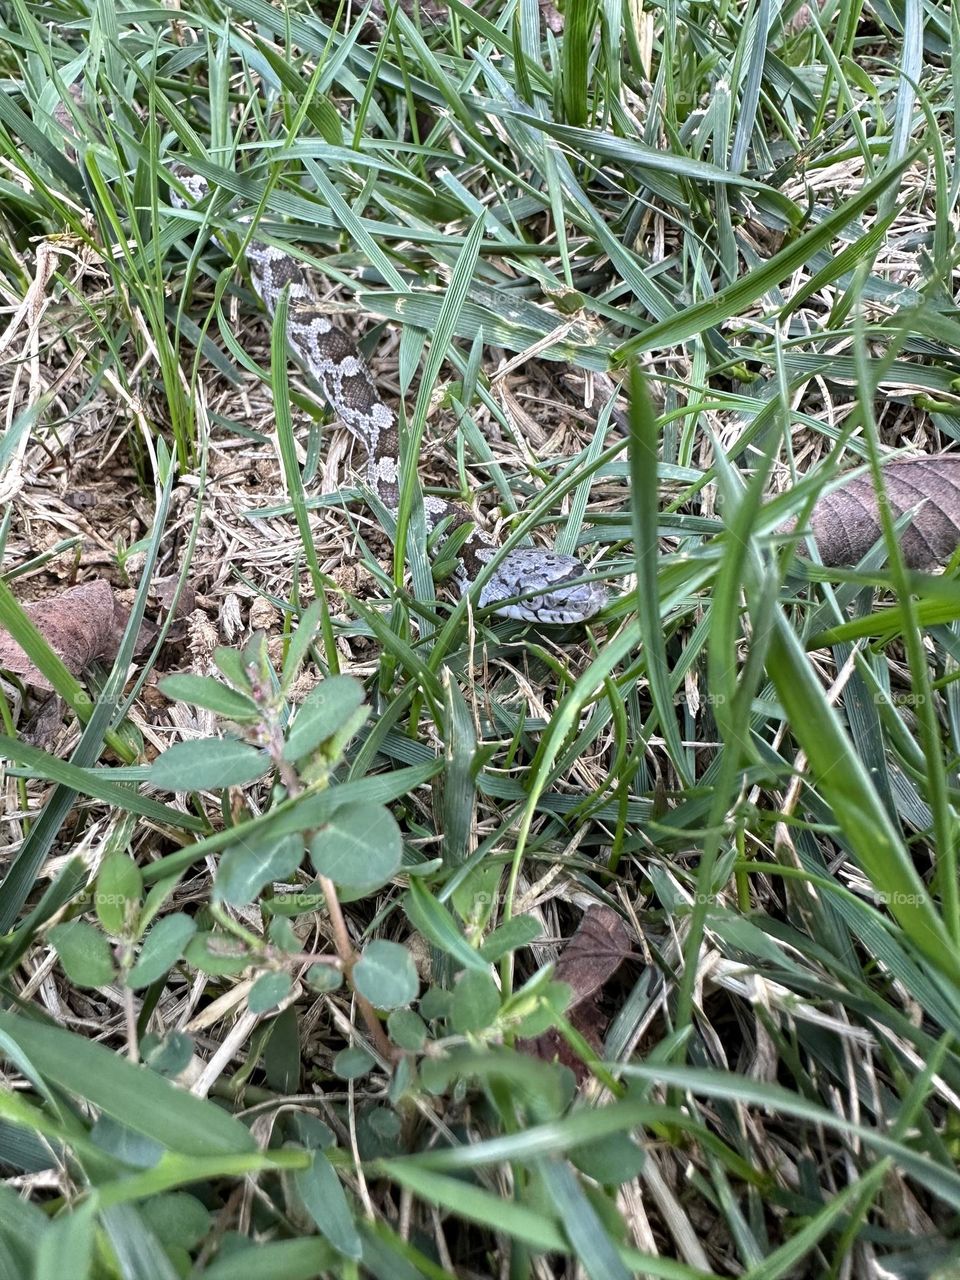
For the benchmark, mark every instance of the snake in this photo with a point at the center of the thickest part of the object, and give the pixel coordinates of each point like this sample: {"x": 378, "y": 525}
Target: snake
{"x": 529, "y": 584}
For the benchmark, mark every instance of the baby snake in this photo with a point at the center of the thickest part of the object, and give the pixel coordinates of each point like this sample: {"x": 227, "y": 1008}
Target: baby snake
{"x": 531, "y": 584}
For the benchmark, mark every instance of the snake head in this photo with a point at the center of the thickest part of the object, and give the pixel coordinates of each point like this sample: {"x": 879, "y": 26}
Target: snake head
{"x": 550, "y": 588}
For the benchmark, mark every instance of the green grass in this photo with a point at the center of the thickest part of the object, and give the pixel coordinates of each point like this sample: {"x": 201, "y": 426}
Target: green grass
{"x": 748, "y": 215}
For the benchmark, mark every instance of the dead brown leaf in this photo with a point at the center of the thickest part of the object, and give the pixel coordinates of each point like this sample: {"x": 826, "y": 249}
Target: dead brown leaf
{"x": 588, "y": 961}
{"x": 82, "y": 625}
{"x": 846, "y": 522}
{"x": 594, "y": 953}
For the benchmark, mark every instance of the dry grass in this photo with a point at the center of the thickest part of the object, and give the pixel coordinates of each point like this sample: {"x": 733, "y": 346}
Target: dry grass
{"x": 780, "y": 1044}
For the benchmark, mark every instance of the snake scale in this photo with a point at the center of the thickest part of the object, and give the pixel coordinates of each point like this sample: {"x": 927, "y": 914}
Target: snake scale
{"x": 531, "y": 584}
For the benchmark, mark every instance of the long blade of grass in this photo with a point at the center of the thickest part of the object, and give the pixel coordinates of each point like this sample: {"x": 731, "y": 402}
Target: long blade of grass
{"x": 749, "y": 288}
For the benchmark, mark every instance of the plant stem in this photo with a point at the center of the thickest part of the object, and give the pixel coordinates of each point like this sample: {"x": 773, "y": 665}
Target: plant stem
{"x": 341, "y": 935}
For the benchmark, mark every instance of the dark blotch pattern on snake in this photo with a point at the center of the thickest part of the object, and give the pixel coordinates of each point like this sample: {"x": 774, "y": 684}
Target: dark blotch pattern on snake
{"x": 530, "y": 583}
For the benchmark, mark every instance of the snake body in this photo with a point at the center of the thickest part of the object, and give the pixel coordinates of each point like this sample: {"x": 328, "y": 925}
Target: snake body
{"x": 531, "y": 584}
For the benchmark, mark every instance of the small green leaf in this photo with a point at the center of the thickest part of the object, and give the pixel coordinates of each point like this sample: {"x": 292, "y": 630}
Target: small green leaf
{"x": 407, "y": 1030}
{"x": 177, "y": 1218}
{"x": 435, "y": 1003}
{"x": 325, "y": 1201}
{"x": 84, "y": 952}
{"x": 324, "y": 977}
{"x": 538, "y": 1004}
{"x": 327, "y": 710}
{"x": 534, "y": 1021}
{"x": 162, "y": 948}
{"x": 316, "y": 768}
{"x": 217, "y": 954}
{"x": 119, "y": 887}
{"x": 434, "y": 921}
{"x": 156, "y": 898}
{"x": 246, "y": 867}
{"x": 233, "y": 665}
{"x": 517, "y": 932}
{"x": 402, "y": 1082}
{"x": 281, "y": 934}
{"x": 268, "y": 991}
{"x": 294, "y": 901}
{"x": 475, "y": 897}
{"x": 299, "y": 645}
{"x": 385, "y": 1123}
{"x": 208, "y": 764}
{"x": 282, "y": 1055}
{"x": 386, "y": 975}
{"x": 310, "y": 1131}
{"x": 543, "y": 1087}
{"x": 359, "y": 847}
{"x": 204, "y": 691}
{"x": 379, "y": 1134}
{"x": 476, "y": 1003}
{"x": 610, "y": 1160}
{"x": 167, "y": 1055}
{"x": 352, "y": 1064}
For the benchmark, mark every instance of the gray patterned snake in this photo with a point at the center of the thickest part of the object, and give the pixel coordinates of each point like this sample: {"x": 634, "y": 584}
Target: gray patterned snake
{"x": 531, "y": 584}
